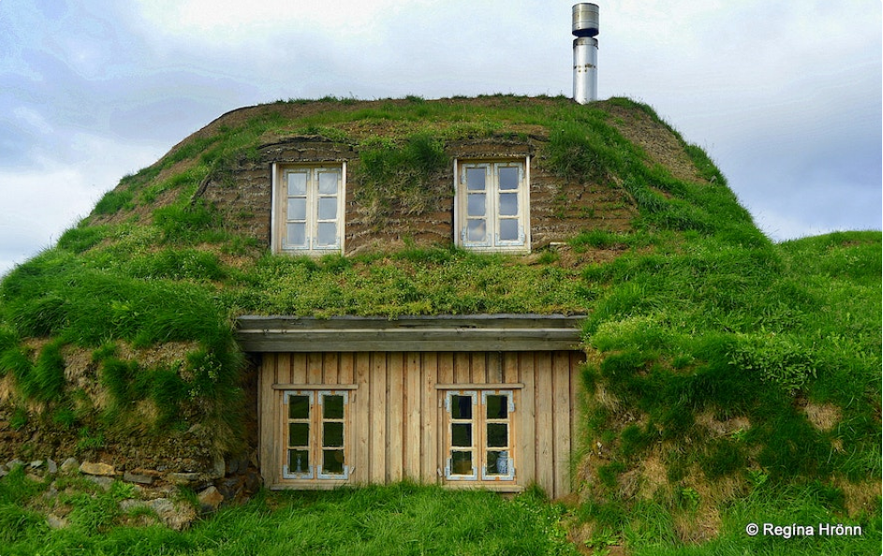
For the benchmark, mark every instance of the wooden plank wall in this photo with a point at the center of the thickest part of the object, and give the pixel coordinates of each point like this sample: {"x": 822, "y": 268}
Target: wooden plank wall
{"x": 395, "y": 409}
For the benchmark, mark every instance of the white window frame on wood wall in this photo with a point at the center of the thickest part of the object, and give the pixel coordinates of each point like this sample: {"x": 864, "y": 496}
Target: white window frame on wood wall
{"x": 316, "y": 444}
{"x": 309, "y": 215}
{"x": 481, "y": 445}
{"x": 496, "y": 214}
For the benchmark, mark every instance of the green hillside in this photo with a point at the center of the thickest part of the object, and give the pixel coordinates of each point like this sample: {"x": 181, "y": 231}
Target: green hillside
{"x": 729, "y": 379}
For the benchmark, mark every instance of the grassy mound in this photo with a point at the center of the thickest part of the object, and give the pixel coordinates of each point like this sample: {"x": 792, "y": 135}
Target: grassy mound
{"x": 725, "y": 372}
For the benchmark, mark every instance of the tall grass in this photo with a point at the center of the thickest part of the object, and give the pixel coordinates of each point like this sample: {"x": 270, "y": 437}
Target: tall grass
{"x": 413, "y": 282}
{"x": 750, "y": 335}
{"x": 786, "y": 507}
{"x": 400, "y": 179}
{"x": 398, "y": 519}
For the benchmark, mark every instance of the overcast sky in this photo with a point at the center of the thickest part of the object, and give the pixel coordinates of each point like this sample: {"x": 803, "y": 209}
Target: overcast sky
{"x": 785, "y": 96}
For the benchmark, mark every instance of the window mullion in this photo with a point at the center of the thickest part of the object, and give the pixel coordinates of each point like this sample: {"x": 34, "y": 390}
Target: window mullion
{"x": 312, "y": 208}
{"x": 494, "y": 193}
{"x": 316, "y": 440}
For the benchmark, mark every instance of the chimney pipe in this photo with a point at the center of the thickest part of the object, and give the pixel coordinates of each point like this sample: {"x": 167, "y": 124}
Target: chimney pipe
{"x": 585, "y": 53}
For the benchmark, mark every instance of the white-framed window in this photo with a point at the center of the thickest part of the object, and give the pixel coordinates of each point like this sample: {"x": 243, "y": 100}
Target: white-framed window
{"x": 308, "y": 208}
{"x": 479, "y": 436}
{"x": 315, "y": 435}
{"x": 493, "y": 204}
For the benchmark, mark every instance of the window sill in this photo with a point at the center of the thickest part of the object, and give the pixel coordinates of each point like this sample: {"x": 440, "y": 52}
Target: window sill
{"x": 474, "y": 485}
{"x": 309, "y": 485}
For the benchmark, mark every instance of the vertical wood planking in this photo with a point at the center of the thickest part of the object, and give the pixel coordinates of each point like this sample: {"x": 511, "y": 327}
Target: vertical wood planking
{"x": 298, "y": 368}
{"x": 377, "y": 418}
{"x": 346, "y": 368}
{"x": 429, "y": 453}
{"x": 526, "y": 464}
{"x": 479, "y": 368}
{"x": 330, "y": 369}
{"x": 544, "y": 428}
{"x": 575, "y": 405}
{"x": 561, "y": 408}
{"x": 412, "y": 430}
{"x": 445, "y": 376}
{"x": 314, "y": 368}
{"x": 461, "y": 368}
{"x": 362, "y": 405}
{"x": 283, "y": 368}
{"x": 509, "y": 367}
{"x": 269, "y": 420}
{"x": 495, "y": 367}
{"x": 395, "y": 413}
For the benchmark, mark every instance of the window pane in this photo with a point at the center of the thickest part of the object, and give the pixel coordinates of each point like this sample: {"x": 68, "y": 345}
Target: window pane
{"x": 475, "y": 179}
{"x": 509, "y": 178}
{"x": 497, "y": 406}
{"x": 327, "y": 234}
{"x": 332, "y": 462}
{"x": 327, "y": 208}
{"x": 298, "y": 461}
{"x": 297, "y": 234}
{"x": 461, "y": 407}
{"x": 297, "y": 183}
{"x": 332, "y": 407}
{"x": 297, "y": 208}
{"x": 476, "y": 230}
{"x": 298, "y": 434}
{"x": 497, "y": 435}
{"x": 461, "y": 435}
{"x": 332, "y": 435}
{"x": 328, "y": 183}
{"x": 298, "y": 407}
{"x": 509, "y": 230}
{"x": 509, "y": 204}
{"x": 497, "y": 463}
{"x": 475, "y": 205}
{"x": 461, "y": 463}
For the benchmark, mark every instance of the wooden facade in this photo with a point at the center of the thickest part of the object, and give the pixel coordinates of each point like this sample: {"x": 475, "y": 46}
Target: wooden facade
{"x": 398, "y": 423}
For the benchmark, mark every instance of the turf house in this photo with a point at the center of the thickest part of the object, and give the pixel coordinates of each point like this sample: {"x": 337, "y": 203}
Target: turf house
{"x": 497, "y": 292}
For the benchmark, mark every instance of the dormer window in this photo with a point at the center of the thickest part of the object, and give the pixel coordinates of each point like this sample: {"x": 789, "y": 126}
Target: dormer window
{"x": 492, "y": 208}
{"x": 308, "y": 209}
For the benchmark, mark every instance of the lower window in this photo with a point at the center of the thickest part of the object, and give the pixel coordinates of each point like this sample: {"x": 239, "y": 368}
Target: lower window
{"x": 479, "y": 443}
{"x": 315, "y": 435}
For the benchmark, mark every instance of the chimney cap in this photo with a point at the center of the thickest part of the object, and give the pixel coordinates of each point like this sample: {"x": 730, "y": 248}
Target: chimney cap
{"x": 585, "y": 20}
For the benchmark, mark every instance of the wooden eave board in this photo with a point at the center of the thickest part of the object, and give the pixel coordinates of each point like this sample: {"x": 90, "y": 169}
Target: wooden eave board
{"x": 441, "y": 333}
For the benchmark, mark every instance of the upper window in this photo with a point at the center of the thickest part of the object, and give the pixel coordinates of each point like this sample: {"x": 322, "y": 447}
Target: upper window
{"x": 493, "y": 212}
{"x": 308, "y": 213}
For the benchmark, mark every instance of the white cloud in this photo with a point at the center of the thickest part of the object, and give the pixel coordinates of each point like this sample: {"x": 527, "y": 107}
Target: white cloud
{"x": 237, "y": 21}
{"x": 33, "y": 119}
{"x": 40, "y": 203}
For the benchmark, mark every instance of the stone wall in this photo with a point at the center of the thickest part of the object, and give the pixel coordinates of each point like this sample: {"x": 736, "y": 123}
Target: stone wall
{"x": 559, "y": 209}
{"x": 151, "y": 489}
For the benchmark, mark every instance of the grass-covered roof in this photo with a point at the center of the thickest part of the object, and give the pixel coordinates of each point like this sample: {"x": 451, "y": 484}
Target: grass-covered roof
{"x": 719, "y": 362}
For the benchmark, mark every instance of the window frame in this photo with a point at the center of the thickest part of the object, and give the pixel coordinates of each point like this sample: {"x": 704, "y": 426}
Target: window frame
{"x": 479, "y": 438}
{"x": 316, "y": 438}
{"x": 492, "y": 213}
{"x": 312, "y": 197}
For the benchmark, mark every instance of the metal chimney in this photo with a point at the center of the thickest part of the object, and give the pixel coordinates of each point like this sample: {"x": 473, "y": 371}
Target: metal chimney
{"x": 585, "y": 53}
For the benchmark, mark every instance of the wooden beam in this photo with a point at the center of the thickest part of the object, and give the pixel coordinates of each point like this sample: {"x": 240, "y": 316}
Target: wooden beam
{"x": 527, "y": 320}
{"x": 443, "y": 333}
